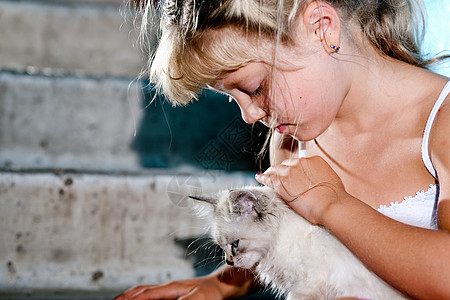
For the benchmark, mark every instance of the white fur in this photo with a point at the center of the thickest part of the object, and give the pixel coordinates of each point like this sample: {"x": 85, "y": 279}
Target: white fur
{"x": 295, "y": 258}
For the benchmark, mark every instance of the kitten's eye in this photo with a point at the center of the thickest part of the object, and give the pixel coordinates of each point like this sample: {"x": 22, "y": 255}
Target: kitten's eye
{"x": 235, "y": 244}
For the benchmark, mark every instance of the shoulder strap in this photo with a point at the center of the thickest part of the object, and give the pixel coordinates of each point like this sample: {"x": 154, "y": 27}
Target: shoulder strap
{"x": 301, "y": 149}
{"x": 426, "y": 135}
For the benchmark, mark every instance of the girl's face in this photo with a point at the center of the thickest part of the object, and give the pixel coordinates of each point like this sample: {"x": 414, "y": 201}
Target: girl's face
{"x": 300, "y": 98}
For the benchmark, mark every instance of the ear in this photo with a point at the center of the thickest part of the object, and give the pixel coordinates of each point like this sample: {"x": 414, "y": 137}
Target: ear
{"x": 323, "y": 24}
{"x": 207, "y": 199}
{"x": 243, "y": 202}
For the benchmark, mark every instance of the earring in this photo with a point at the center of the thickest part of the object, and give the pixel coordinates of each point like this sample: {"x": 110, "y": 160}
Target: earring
{"x": 335, "y": 48}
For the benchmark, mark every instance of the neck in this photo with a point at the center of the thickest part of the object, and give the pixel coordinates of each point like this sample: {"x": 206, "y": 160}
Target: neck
{"x": 380, "y": 87}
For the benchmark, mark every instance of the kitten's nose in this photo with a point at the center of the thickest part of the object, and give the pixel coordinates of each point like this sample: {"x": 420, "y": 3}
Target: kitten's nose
{"x": 229, "y": 259}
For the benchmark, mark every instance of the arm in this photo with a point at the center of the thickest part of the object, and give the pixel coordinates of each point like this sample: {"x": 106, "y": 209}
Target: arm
{"x": 224, "y": 283}
{"x": 235, "y": 282}
{"x": 413, "y": 260}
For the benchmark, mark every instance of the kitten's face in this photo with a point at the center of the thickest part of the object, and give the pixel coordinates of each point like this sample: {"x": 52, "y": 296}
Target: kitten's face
{"x": 243, "y": 224}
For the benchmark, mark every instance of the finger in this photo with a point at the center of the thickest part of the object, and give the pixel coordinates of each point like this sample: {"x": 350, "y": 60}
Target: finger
{"x": 265, "y": 179}
{"x": 275, "y": 182}
{"x": 198, "y": 294}
{"x": 193, "y": 295}
{"x": 274, "y": 170}
{"x": 137, "y": 293}
{"x": 258, "y": 177}
{"x": 167, "y": 292}
{"x": 268, "y": 179}
{"x": 131, "y": 291}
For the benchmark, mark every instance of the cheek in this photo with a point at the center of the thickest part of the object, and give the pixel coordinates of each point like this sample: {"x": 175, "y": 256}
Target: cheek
{"x": 314, "y": 105}
{"x": 248, "y": 260}
{"x": 306, "y": 97}
{"x": 296, "y": 95}
{"x": 299, "y": 109}
{"x": 288, "y": 102}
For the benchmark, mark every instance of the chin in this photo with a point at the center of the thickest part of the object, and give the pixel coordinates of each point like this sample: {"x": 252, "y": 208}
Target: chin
{"x": 248, "y": 260}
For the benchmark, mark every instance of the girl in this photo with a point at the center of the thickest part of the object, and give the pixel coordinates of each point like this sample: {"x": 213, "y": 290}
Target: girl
{"x": 344, "y": 80}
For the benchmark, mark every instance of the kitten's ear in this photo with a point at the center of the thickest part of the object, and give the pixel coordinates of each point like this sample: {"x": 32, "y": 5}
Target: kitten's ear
{"x": 207, "y": 199}
{"x": 243, "y": 202}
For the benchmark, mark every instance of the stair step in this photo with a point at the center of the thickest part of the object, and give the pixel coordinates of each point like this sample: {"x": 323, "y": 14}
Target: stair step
{"x": 67, "y": 122}
{"x": 90, "y": 39}
{"x": 97, "y": 232}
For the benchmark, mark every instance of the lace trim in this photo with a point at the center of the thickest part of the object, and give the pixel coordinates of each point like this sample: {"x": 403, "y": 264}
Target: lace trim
{"x": 413, "y": 210}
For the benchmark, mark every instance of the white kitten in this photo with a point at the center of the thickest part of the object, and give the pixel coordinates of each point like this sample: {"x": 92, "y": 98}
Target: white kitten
{"x": 259, "y": 231}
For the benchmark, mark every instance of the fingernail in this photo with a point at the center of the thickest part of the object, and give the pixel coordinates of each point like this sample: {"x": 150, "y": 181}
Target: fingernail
{"x": 257, "y": 174}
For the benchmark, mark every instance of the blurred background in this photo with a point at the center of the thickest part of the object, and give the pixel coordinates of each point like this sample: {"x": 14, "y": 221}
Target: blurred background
{"x": 93, "y": 175}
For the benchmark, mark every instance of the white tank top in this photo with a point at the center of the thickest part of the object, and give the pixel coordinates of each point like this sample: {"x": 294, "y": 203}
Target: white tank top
{"x": 420, "y": 210}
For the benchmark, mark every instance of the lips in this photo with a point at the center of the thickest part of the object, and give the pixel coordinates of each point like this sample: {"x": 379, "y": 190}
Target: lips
{"x": 281, "y": 128}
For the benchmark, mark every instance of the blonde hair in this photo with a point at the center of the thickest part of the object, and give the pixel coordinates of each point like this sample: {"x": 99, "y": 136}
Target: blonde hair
{"x": 193, "y": 52}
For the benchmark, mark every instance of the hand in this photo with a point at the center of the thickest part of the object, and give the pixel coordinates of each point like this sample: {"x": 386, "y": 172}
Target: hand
{"x": 308, "y": 185}
{"x": 198, "y": 288}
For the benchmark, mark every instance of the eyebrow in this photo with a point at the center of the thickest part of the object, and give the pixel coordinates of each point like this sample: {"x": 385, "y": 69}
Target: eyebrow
{"x": 229, "y": 84}
{"x": 234, "y": 81}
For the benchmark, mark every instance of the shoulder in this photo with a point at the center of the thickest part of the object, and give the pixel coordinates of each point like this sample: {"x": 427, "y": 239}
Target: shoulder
{"x": 439, "y": 147}
{"x": 439, "y": 142}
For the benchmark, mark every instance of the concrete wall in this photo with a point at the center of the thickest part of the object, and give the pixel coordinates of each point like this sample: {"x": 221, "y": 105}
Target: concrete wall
{"x": 79, "y": 217}
{"x": 67, "y": 122}
{"x": 67, "y": 97}
{"x": 66, "y": 233}
{"x": 54, "y": 37}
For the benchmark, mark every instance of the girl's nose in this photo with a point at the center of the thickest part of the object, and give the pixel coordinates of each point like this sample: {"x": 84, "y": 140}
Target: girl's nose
{"x": 252, "y": 113}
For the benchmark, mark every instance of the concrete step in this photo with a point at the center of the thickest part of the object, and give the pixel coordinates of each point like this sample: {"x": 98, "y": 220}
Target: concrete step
{"x": 98, "y": 232}
{"x": 67, "y": 122}
{"x": 98, "y": 2}
{"x": 76, "y": 38}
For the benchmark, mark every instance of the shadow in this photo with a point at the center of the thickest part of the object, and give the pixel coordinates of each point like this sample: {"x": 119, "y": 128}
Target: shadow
{"x": 206, "y": 134}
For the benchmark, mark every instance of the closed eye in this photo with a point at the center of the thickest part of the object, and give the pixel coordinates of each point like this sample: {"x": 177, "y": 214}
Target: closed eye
{"x": 256, "y": 92}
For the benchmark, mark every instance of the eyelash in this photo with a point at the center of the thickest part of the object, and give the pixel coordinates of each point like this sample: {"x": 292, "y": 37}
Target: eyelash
{"x": 256, "y": 92}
